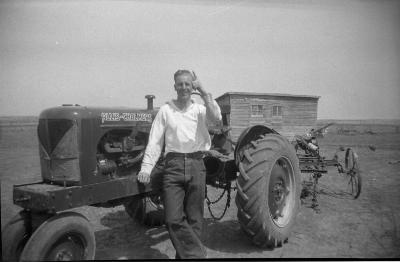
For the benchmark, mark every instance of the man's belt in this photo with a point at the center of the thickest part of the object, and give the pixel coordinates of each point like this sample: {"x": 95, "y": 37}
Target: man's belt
{"x": 197, "y": 154}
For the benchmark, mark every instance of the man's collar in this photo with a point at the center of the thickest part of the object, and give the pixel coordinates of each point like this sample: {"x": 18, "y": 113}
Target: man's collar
{"x": 172, "y": 104}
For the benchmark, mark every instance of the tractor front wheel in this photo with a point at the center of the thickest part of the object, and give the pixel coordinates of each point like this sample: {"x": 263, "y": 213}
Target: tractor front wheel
{"x": 67, "y": 236}
{"x": 268, "y": 189}
{"x": 15, "y": 235}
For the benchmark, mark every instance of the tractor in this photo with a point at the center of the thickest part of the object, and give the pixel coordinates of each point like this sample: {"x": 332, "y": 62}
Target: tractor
{"x": 92, "y": 155}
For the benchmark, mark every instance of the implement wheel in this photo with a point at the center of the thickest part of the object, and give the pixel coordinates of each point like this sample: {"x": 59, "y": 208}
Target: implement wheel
{"x": 15, "y": 235}
{"x": 268, "y": 189}
{"x": 353, "y": 173}
{"x": 67, "y": 236}
{"x": 147, "y": 210}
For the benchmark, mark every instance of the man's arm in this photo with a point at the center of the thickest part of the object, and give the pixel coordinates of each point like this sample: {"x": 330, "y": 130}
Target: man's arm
{"x": 213, "y": 112}
{"x": 154, "y": 147}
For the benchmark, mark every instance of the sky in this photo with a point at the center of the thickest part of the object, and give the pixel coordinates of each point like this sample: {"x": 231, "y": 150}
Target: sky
{"x": 113, "y": 53}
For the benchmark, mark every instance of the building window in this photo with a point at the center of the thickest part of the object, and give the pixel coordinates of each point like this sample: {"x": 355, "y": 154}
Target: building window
{"x": 277, "y": 111}
{"x": 257, "y": 110}
{"x": 225, "y": 119}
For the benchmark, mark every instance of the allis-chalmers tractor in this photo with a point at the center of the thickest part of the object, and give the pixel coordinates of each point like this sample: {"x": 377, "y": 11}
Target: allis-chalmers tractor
{"x": 91, "y": 156}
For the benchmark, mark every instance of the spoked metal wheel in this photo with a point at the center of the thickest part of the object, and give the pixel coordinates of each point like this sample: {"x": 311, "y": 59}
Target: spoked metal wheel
{"x": 280, "y": 194}
{"x": 353, "y": 173}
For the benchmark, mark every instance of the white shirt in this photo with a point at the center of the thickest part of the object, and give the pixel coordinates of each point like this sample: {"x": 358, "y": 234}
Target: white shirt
{"x": 182, "y": 131}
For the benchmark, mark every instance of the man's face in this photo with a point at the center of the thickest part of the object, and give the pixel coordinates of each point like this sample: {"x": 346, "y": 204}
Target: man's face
{"x": 183, "y": 86}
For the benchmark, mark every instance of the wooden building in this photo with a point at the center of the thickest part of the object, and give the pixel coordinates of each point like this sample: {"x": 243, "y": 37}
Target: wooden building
{"x": 287, "y": 114}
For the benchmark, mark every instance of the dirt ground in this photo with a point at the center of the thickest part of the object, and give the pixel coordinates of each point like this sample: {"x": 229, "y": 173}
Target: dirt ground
{"x": 368, "y": 227}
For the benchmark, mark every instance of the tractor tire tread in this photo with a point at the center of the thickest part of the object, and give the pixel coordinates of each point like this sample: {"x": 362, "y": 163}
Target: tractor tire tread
{"x": 248, "y": 156}
{"x": 243, "y": 173}
{"x": 250, "y": 199}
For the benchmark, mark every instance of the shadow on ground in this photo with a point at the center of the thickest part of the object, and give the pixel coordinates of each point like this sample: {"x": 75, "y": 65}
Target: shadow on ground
{"x": 126, "y": 239}
{"x": 335, "y": 192}
{"x": 226, "y": 236}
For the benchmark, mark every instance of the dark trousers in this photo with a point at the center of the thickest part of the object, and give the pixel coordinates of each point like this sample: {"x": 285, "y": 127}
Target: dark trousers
{"x": 183, "y": 193}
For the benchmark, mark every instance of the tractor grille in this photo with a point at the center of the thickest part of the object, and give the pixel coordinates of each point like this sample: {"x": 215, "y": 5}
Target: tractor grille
{"x": 50, "y": 132}
{"x": 59, "y": 151}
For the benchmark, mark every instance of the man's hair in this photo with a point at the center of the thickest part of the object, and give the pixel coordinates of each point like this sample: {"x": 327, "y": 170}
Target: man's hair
{"x": 182, "y": 72}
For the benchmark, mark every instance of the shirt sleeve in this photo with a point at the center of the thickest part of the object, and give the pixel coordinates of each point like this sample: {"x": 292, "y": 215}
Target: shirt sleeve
{"x": 213, "y": 112}
{"x": 156, "y": 142}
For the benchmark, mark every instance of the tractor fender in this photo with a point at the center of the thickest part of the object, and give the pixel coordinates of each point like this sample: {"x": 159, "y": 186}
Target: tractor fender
{"x": 250, "y": 134}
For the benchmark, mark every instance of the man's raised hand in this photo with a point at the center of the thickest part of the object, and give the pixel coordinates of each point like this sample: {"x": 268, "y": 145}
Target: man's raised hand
{"x": 196, "y": 84}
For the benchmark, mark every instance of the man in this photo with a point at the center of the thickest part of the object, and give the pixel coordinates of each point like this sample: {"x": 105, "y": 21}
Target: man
{"x": 181, "y": 125}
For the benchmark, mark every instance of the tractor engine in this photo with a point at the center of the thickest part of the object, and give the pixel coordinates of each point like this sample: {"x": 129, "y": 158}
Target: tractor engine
{"x": 118, "y": 150}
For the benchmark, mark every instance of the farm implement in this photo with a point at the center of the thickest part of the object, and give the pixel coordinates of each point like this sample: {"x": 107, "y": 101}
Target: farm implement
{"x": 313, "y": 163}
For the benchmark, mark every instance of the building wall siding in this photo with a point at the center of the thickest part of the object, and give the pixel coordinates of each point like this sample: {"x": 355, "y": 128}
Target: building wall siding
{"x": 298, "y": 114}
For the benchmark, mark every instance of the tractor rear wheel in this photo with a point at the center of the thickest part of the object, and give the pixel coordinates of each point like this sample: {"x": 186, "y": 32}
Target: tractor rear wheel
{"x": 14, "y": 236}
{"x": 147, "y": 210}
{"x": 268, "y": 189}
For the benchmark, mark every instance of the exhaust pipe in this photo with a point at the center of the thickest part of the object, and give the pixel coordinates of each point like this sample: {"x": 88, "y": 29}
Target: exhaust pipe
{"x": 150, "y": 101}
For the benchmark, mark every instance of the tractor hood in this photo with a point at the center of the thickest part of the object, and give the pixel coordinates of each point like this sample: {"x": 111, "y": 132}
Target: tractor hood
{"x": 107, "y": 115}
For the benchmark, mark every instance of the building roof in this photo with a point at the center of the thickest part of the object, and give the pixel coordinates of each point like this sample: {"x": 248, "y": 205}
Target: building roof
{"x": 266, "y": 95}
